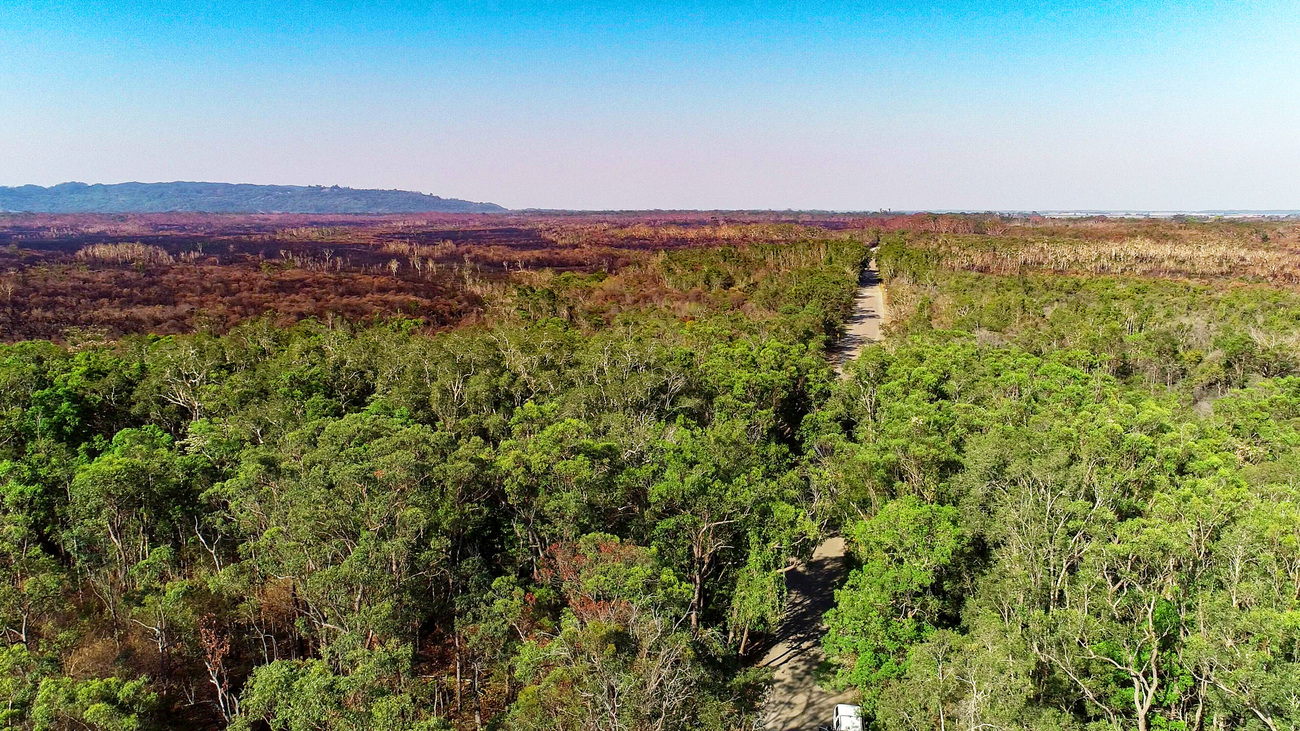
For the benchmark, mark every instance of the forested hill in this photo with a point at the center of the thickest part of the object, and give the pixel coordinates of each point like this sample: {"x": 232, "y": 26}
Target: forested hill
{"x": 226, "y": 198}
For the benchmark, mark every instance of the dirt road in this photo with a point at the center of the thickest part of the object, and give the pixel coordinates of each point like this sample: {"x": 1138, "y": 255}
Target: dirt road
{"x": 797, "y": 700}
{"x": 869, "y": 314}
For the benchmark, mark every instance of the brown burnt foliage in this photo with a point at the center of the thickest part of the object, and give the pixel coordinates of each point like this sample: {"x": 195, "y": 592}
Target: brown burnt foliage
{"x": 172, "y": 273}
{"x": 169, "y": 274}
{"x": 1264, "y": 251}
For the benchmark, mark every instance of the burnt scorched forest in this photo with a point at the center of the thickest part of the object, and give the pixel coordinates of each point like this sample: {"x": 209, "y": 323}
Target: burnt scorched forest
{"x": 546, "y": 472}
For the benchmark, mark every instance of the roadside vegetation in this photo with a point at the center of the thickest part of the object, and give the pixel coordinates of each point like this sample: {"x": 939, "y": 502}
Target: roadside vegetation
{"x": 567, "y": 501}
{"x": 572, "y": 518}
{"x": 1071, "y": 499}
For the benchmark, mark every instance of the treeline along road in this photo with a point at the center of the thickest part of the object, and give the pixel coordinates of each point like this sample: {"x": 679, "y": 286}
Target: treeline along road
{"x": 1064, "y": 481}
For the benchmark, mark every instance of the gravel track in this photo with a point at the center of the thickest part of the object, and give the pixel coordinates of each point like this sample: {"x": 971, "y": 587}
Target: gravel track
{"x": 797, "y": 700}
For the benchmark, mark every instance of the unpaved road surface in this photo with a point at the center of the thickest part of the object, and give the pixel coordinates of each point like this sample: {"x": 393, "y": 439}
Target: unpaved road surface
{"x": 864, "y": 325}
{"x": 796, "y": 700}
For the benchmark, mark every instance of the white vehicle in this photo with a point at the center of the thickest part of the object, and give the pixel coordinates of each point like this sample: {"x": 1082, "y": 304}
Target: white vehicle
{"x": 847, "y": 718}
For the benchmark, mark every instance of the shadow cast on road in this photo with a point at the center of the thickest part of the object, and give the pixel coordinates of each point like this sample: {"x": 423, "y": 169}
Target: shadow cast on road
{"x": 863, "y": 326}
{"x": 797, "y": 700}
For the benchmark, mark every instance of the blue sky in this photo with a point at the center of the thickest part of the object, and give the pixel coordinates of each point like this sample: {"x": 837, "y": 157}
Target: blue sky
{"x": 840, "y": 105}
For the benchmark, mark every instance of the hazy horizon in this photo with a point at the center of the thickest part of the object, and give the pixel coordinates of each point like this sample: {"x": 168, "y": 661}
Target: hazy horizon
{"x": 1064, "y": 212}
{"x": 1127, "y": 106}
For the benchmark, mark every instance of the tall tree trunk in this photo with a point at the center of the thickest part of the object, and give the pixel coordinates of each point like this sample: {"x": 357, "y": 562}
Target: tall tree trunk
{"x": 696, "y": 599}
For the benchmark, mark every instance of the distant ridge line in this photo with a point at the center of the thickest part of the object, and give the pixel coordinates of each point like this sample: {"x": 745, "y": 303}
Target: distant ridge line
{"x": 197, "y": 197}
